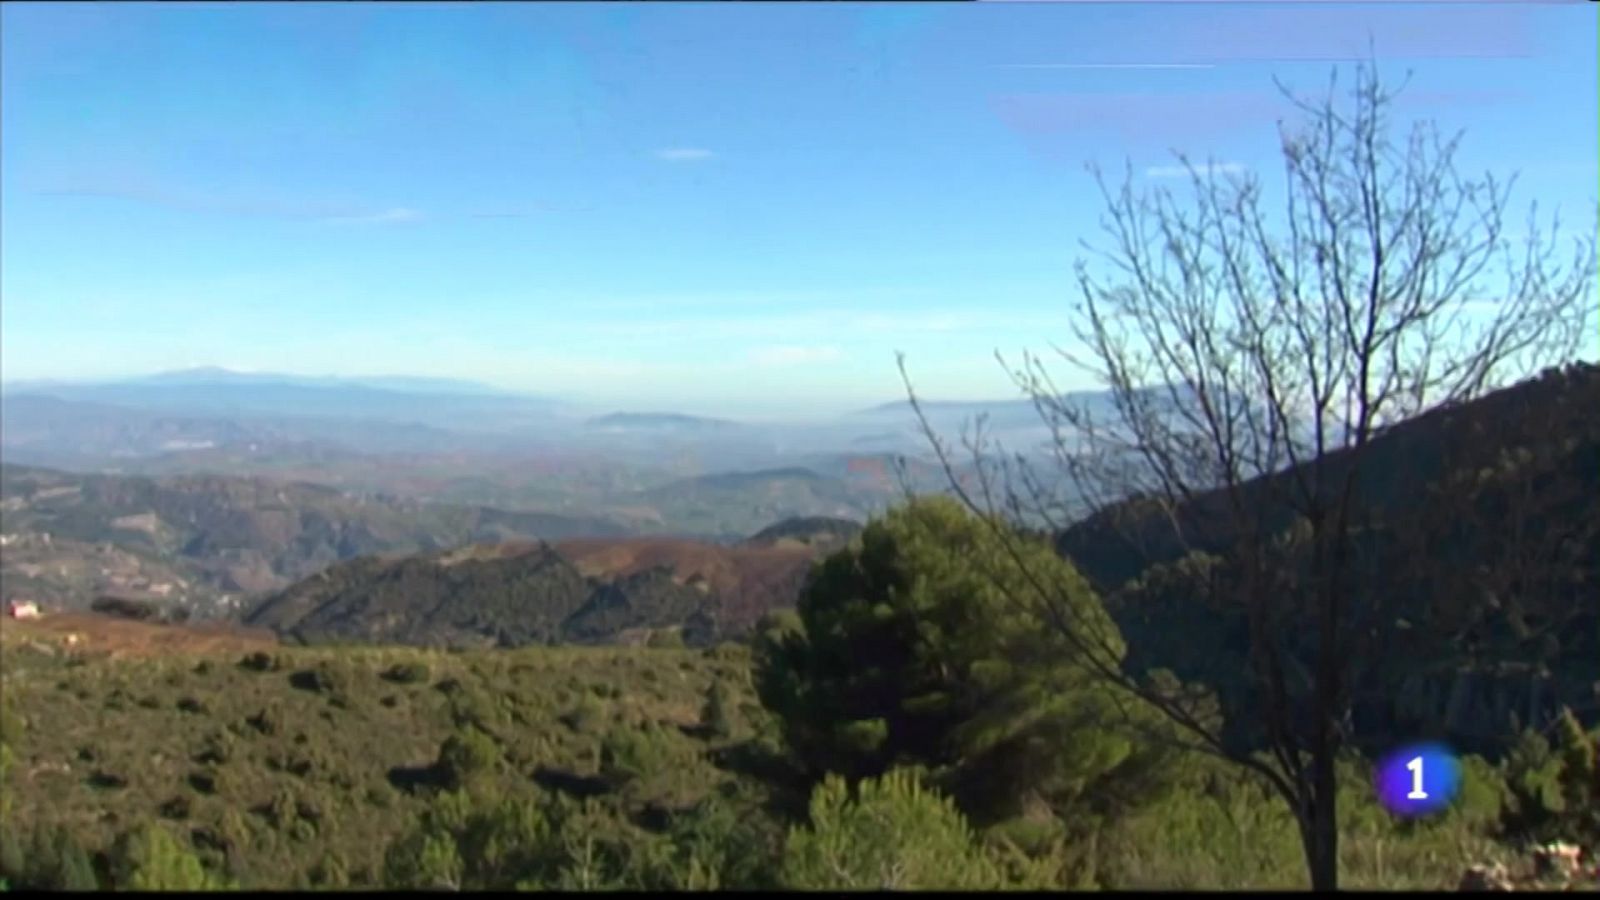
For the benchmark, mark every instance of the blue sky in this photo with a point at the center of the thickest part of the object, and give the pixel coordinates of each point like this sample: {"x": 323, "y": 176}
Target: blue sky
{"x": 736, "y": 209}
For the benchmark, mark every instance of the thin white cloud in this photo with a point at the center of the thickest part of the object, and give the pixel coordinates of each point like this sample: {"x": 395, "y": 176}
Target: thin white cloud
{"x": 684, "y": 154}
{"x": 1230, "y": 168}
{"x": 785, "y": 355}
{"x": 392, "y": 216}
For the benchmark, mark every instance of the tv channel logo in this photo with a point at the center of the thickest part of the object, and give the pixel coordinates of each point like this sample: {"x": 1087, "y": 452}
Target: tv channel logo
{"x": 1418, "y": 779}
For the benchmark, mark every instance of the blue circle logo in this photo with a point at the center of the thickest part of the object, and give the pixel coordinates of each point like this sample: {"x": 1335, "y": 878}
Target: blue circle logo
{"x": 1418, "y": 780}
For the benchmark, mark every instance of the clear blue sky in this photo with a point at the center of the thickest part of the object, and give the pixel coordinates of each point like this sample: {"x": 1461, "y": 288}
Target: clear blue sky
{"x": 713, "y": 208}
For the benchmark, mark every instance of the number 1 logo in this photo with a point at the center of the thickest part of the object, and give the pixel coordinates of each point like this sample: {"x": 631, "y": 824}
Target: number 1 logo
{"x": 1418, "y": 780}
{"x": 1417, "y": 792}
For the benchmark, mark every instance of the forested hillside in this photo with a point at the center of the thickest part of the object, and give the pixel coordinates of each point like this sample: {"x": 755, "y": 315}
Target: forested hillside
{"x": 1481, "y": 546}
{"x": 588, "y": 590}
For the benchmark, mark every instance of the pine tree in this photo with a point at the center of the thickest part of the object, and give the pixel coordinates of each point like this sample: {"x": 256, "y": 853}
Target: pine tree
{"x": 467, "y": 758}
{"x": 149, "y": 858}
{"x": 1579, "y": 779}
{"x": 715, "y": 716}
{"x": 12, "y": 860}
{"x": 908, "y": 650}
{"x": 895, "y": 834}
{"x": 74, "y": 871}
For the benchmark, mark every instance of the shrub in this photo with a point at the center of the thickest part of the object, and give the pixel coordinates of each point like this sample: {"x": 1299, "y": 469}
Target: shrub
{"x": 478, "y": 710}
{"x": 332, "y": 871}
{"x": 414, "y": 672}
{"x": 719, "y": 844}
{"x": 323, "y": 678}
{"x": 716, "y": 716}
{"x": 10, "y": 731}
{"x": 665, "y": 639}
{"x": 647, "y": 759}
{"x": 53, "y": 861}
{"x": 586, "y": 716}
{"x": 259, "y": 662}
{"x": 124, "y": 608}
{"x": 1553, "y": 792}
{"x": 149, "y": 858}
{"x": 894, "y": 835}
{"x": 467, "y": 757}
{"x": 462, "y": 842}
{"x": 424, "y": 861}
{"x": 13, "y": 861}
{"x": 1220, "y": 830}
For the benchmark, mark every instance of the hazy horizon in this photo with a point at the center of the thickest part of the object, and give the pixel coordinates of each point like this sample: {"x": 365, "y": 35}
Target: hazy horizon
{"x": 442, "y": 385}
{"x": 739, "y": 211}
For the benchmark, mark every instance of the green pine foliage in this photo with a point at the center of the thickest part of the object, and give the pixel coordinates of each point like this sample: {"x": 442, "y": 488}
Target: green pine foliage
{"x": 894, "y": 833}
{"x": 925, "y": 643}
{"x": 468, "y": 758}
{"x": 149, "y": 858}
{"x": 717, "y": 716}
{"x": 1553, "y": 789}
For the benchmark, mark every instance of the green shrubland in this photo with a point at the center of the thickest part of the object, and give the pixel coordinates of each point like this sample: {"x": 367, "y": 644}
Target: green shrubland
{"x": 901, "y": 728}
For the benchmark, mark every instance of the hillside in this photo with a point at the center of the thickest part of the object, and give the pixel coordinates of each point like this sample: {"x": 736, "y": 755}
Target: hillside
{"x": 200, "y": 539}
{"x": 583, "y": 590}
{"x": 1482, "y": 542}
{"x": 298, "y": 767}
{"x": 820, "y": 532}
{"x": 294, "y": 768}
{"x": 725, "y": 504}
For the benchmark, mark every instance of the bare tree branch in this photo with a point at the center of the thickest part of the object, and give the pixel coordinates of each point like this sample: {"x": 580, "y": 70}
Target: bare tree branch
{"x": 1251, "y": 352}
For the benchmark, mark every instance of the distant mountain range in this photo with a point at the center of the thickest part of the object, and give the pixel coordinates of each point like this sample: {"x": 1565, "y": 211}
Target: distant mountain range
{"x": 213, "y": 375}
{"x": 658, "y": 422}
{"x": 221, "y": 393}
{"x": 467, "y": 444}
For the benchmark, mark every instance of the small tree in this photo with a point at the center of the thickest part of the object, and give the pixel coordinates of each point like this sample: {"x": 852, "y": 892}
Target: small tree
{"x": 467, "y": 758}
{"x": 10, "y": 732}
{"x": 716, "y": 715}
{"x": 1553, "y": 787}
{"x": 894, "y": 834}
{"x": 149, "y": 858}
{"x": 424, "y": 861}
{"x": 53, "y": 861}
{"x": 1250, "y": 357}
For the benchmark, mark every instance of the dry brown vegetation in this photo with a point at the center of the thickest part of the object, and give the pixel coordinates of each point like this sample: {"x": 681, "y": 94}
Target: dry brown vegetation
{"x": 118, "y": 637}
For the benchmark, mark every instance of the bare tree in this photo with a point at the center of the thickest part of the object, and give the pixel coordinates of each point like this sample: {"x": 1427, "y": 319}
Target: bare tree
{"x": 1252, "y": 347}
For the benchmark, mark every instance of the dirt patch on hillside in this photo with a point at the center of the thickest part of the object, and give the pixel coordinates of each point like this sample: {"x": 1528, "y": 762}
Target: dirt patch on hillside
{"x": 118, "y": 637}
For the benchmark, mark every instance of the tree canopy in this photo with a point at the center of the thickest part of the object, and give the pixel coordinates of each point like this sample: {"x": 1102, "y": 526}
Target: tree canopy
{"x": 911, "y": 649}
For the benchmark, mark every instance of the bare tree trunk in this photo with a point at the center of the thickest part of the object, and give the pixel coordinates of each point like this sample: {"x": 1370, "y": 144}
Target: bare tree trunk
{"x": 1319, "y": 837}
{"x": 1323, "y": 853}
